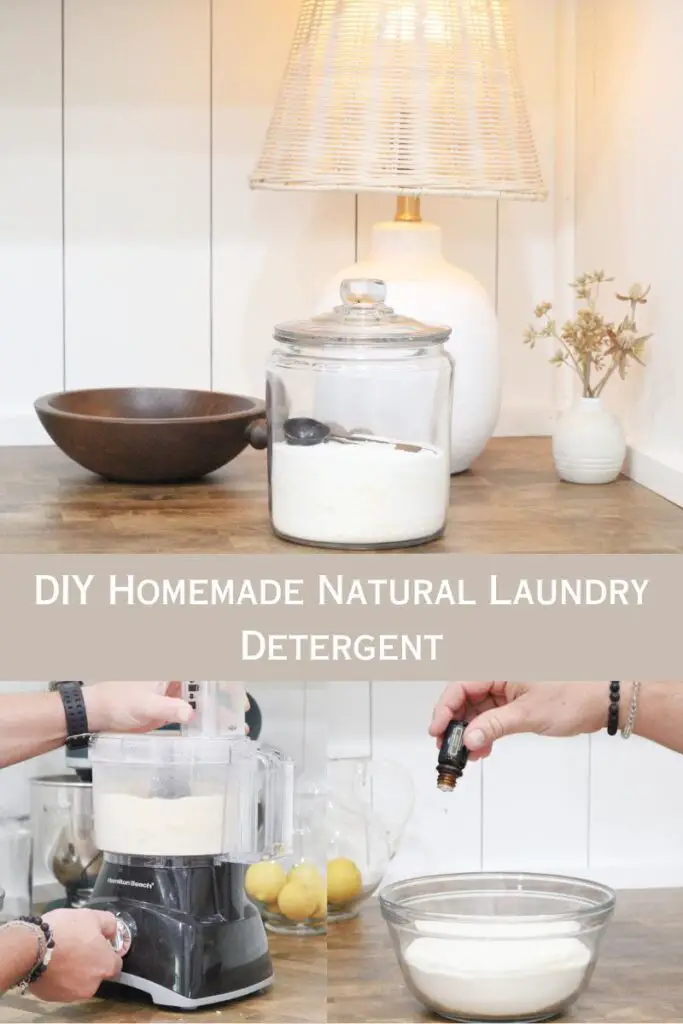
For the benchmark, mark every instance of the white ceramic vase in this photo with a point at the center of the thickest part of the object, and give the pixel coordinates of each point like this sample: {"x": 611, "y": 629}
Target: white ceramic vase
{"x": 589, "y": 444}
{"x": 422, "y": 284}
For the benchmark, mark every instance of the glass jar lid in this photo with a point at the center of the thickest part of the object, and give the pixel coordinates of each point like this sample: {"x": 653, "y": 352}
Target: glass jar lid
{"x": 362, "y": 318}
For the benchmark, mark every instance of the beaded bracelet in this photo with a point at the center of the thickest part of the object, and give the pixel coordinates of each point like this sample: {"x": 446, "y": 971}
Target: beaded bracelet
{"x": 613, "y": 711}
{"x": 45, "y": 946}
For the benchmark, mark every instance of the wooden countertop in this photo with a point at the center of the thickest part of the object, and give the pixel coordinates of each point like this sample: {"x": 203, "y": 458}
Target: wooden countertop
{"x": 638, "y": 978}
{"x": 297, "y": 997}
{"x": 353, "y": 978}
{"x": 510, "y": 502}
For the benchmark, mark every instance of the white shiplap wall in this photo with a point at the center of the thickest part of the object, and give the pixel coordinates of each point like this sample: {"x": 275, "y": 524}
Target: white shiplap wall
{"x": 133, "y": 252}
{"x": 596, "y": 807}
{"x": 629, "y": 210}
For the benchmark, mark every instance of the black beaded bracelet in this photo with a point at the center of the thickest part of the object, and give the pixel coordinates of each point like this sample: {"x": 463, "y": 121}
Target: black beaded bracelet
{"x": 613, "y": 712}
{"x": 41, "y": 965}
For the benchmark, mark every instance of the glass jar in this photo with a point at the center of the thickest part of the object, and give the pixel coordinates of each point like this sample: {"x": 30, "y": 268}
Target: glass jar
{"x": 15, "y": 867}
{"x": 359, "y": 412}
{"x": 291, "y": 893}
{"x": 385, "y": 788}
{"x": 358, "y": 853}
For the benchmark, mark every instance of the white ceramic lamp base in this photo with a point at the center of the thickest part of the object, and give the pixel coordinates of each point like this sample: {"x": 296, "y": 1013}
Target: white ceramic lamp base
{"x": 422, "y": 284}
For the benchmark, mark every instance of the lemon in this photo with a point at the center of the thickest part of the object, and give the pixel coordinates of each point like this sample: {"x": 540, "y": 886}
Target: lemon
{"x": 320, "y": 912}
{"x": 264, "y": 881}
{"x": 297, "y": 902}
{"x": 344, "y": 881}
{"x": 306, "y": 874}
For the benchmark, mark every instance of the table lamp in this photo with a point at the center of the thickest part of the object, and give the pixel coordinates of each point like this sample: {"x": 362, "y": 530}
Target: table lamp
{"x": 413, "y": 98}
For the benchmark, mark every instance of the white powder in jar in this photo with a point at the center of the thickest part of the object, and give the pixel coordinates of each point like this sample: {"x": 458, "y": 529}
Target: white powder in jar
{"x": 498, "y": 970}
{"x": 366, "y": 493}
{"x": 191, "y": 826}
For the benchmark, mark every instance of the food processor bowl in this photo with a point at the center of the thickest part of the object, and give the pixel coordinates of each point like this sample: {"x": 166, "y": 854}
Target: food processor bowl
{"x": 497, "y": 946}
{"x": 169, "y": 795}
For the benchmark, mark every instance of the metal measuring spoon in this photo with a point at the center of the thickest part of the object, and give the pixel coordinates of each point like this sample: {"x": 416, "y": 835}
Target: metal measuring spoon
{"x": 305, "y": 431}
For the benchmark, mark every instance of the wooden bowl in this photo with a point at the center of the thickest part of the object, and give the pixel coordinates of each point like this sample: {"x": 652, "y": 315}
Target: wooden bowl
{"x": 152, "y": 435}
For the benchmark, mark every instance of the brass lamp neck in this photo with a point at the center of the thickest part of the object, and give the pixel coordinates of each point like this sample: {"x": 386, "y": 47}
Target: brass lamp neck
{"x": 408, "y": 209}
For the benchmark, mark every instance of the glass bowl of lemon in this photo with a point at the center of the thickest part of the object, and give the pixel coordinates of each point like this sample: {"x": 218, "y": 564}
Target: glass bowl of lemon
{"x": 291, "y": 893}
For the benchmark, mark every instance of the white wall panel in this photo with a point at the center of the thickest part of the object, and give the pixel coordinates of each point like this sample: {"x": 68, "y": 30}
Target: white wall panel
{"x": 636, "y": 824}
{"x": 349, "y": 719}
{"x": 272, "y": 251}
{"x": 31, "y": 339}
{"x": 629, "y": 209}
{"x": 525, "y": 238}
{"x": 282, "y": 706}
{"x": 137, "y": 200}
{"x": 535, "y": 805}
{"x": 175, "y": 271}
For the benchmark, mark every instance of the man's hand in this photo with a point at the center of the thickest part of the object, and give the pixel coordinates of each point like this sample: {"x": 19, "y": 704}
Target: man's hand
{"x": 83, "y": 955}
{"x": 495, "y": 710}
{"x": 135, "y": 707}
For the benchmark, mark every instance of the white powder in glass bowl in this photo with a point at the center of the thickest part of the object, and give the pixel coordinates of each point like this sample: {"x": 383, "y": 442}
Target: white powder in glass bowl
{"x": 498, "y": 970}
{"x": 366, "y": 493}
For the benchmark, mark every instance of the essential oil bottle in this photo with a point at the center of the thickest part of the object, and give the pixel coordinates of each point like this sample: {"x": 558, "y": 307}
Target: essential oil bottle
{"x": 453, "y": 757}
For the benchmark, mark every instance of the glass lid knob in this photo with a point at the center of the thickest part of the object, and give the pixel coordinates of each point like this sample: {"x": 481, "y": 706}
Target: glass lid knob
{"x": 363, "y": 292}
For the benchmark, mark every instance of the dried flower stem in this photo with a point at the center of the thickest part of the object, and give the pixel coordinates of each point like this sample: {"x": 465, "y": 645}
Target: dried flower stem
{"x": 589, "y": 344}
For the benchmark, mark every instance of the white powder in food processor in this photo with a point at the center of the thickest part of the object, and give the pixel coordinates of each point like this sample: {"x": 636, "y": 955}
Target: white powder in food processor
{"x": 365, "y": 493}
{"x": 498, "y": 970}
{"x": 189, "y": 826}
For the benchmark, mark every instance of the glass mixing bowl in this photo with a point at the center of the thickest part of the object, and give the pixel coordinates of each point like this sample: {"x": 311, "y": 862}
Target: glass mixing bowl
{"x": 497, "y": 947}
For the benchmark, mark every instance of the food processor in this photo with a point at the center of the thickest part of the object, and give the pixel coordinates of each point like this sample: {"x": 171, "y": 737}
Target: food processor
{"x": 62, "y": 841}
{"x": 179, "y": 817}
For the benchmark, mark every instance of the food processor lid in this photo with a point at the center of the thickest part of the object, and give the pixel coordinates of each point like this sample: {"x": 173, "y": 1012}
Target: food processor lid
{"x": 362, "y": 318}
{"x": 166, "y": 747}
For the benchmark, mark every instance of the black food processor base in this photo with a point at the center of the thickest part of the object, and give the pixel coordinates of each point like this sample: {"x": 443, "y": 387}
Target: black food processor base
{"x": 196, "y": 939}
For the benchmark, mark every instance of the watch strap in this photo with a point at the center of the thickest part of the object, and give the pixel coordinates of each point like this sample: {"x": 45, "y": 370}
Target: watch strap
{"x": 77, "y": 734}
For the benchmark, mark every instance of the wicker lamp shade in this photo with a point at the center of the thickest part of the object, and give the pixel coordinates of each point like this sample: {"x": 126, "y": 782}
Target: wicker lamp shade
{"x": 402, "y": 96}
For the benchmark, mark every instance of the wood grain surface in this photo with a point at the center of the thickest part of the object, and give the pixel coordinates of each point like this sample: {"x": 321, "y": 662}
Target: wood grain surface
{"x": 297, "y": 997}
{"x": 511, "y": 502}
{"x": 353, "y": 978}
{"x": 639, "y": 976}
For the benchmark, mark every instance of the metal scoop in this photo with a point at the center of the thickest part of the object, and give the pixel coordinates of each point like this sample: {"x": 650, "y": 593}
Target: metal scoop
{"x": 304, "y": 431}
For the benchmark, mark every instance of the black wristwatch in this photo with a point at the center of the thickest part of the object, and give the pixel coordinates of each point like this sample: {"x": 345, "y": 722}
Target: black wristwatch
{"x": 77, "y": 734}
